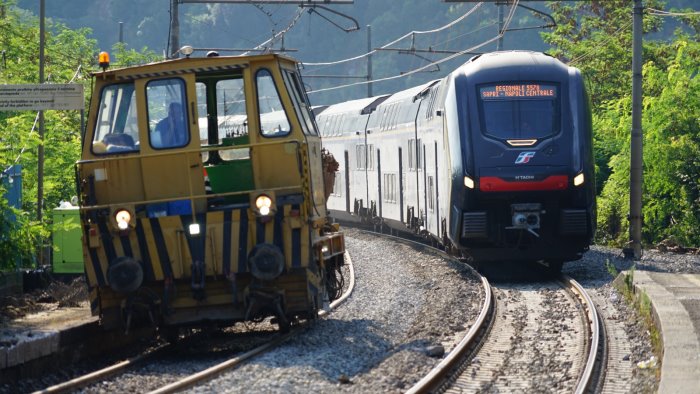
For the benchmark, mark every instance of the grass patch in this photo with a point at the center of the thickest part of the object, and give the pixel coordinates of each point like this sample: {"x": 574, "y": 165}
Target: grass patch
{"x": 640, "y": 301}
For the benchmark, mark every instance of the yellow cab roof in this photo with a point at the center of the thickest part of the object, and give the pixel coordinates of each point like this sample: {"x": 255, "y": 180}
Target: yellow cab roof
{"x": 177, "y": 66}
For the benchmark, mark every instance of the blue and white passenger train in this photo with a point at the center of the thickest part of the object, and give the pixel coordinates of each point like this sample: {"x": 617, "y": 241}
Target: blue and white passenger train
{"x": 494, "y": 161}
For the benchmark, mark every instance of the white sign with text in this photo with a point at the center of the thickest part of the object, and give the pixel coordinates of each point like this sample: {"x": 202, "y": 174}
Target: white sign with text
{"x": 35, "y": 97}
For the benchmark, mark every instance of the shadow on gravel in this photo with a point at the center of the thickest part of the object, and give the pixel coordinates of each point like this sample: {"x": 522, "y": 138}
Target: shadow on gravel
{"x": 511, "y": 272}
{"x": 600, "y": 263}
{"x": 334, "y": 348}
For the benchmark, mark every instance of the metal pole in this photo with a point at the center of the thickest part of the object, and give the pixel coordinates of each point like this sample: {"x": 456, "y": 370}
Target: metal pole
{"x": 369, "y": 60}
{"x": 636, "y": 161}
{"x": 174, "y": 29}
{"x": 40, "y": 152}
{"x": 499, "y": 44}
{"x": 121, "y": 32}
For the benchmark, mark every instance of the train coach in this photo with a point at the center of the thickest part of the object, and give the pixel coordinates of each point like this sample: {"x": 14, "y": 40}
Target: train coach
{"x": 202, "y": 195}
{"x": 494, "y": 161}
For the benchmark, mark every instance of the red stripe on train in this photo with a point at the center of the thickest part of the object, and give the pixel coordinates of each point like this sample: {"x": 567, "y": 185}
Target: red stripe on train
{"x": 495, "y": 184}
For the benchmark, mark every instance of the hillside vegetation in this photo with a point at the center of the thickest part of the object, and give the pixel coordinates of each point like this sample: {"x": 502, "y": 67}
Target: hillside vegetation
{"x": 594, "y": 36}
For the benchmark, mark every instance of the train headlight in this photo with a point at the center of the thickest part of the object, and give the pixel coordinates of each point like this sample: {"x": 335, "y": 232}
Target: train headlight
{"x": 579, "y": 179}
{"x": 264, "y": 204}
{"x": 124, "y": 275}
{"x": 468, "y": 182}
{"x": 123, "y": 219}
{"x": 266, "y": 261}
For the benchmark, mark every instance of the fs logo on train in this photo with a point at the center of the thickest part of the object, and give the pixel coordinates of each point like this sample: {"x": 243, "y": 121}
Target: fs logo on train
{"x": 524, "y": 157}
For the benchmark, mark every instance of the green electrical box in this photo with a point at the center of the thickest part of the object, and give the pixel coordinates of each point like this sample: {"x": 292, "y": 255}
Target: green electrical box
{"x": 67, "y": 245}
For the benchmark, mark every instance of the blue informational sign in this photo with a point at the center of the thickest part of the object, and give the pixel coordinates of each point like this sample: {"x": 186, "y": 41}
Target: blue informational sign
{"x": 11, "y": 180}
{"x": 12, "y": 183}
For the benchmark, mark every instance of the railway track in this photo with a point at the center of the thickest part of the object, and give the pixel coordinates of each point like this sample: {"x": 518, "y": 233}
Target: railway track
{"x": 534, "y": 337}
{"x": 123, "y": 368}
{"x": 528, "y": 337}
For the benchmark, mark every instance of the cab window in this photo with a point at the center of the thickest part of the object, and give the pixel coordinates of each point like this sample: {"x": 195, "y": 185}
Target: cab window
{"x": 521, "y": 111}
{"x": 167, "y": 113}
{"x": 232, "y": 119}
{"x": 300, "y": 102}
{"x": 116, "y": 130}
{"x": 273, "y": 118}
{"x": 203, "y": 120}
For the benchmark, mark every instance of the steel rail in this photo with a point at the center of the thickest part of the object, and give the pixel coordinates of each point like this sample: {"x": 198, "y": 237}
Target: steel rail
{"x": 438, "y": 375}
{"x": 212, "y": 372}
{"x": 102, "y": 374}
{"x": 437, "y": 378}
{"x": 586, "y": 378}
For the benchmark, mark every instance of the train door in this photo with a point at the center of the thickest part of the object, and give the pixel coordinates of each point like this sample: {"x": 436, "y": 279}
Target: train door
{"x": 115, "y": 135}
{"x": 400, "y": 180}
{"x": 347, "y": 181}
{"x": 170, "y": 133}
{"x": 308, "y": 125}
{"x": 380, "y": 192}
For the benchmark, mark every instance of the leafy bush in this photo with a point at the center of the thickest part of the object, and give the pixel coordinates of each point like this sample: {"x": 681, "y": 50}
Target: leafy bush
{"x": 19, "y": 239}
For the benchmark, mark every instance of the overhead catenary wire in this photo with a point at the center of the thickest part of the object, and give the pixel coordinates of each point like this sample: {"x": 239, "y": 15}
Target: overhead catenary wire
{"x": 419, "y": 69}
{"x": 484, "y": 27}
{"x": 280, "y": 34}
{"x": 465, "y": 15}
{"x": 656, "y": 12}
{"x": 595, "y": 50}
{"x": 407, "y": 73}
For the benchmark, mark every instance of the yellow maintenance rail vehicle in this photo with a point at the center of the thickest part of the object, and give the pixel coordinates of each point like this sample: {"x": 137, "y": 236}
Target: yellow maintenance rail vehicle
{"x": 202, "y": 198}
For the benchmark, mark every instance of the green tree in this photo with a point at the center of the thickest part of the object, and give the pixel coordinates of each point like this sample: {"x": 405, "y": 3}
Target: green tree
{"x": 69, "y": 56}
{"x": 596, "y": 37}
{"x": 671, "y": 123}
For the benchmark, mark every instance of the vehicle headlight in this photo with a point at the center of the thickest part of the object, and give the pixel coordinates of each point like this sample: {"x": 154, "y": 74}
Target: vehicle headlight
{"x": 468, "y": 182}
{"x": 579, "y": 179}
{"x": 263, "y": 203}
{"x": 123, "y": 218}
{"x": 266, "y": 261}
{"x": 194, "y": 229}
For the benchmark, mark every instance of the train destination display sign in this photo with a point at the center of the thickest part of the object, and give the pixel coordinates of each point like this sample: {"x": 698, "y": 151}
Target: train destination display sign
{"x": 36, "y": 97}
{"x": 525, "y": 90}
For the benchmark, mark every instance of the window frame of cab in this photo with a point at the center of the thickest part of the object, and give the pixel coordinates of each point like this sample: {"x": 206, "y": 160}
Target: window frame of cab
{"x": 300, "y": 101}
{"x": 95, "y": 131}
{"x": 184, "y": 107}
{"x": 275, "y": 82}
{"x": 210, "y": 81}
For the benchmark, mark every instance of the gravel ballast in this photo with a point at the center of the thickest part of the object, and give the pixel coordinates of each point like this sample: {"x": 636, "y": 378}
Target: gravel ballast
{"x": 408, "y": 309}
{"x": 406, "y": 306}
{"x": 626, "y": 330}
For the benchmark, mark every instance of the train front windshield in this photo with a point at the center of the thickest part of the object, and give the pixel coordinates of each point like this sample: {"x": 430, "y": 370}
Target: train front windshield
{"x": 519, "y": 111}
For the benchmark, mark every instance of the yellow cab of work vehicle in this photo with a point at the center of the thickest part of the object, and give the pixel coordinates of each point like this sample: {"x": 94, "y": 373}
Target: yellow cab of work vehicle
{"x": 202, "y": 195}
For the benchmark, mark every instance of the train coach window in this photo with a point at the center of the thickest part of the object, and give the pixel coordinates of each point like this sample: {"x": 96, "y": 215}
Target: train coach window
{"x": 389, "y": 188}
{"x": 116, "y": 129}
{"x": 167, "y": 113}
{"x": 360, "y": 157}
{"x": 414, "y": 156}
{"x": 273, "y": 118}
{"x": 519, "y": 110}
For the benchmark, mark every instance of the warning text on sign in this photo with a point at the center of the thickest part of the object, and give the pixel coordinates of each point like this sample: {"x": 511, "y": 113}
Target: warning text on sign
{"x": 41, "y": 97}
